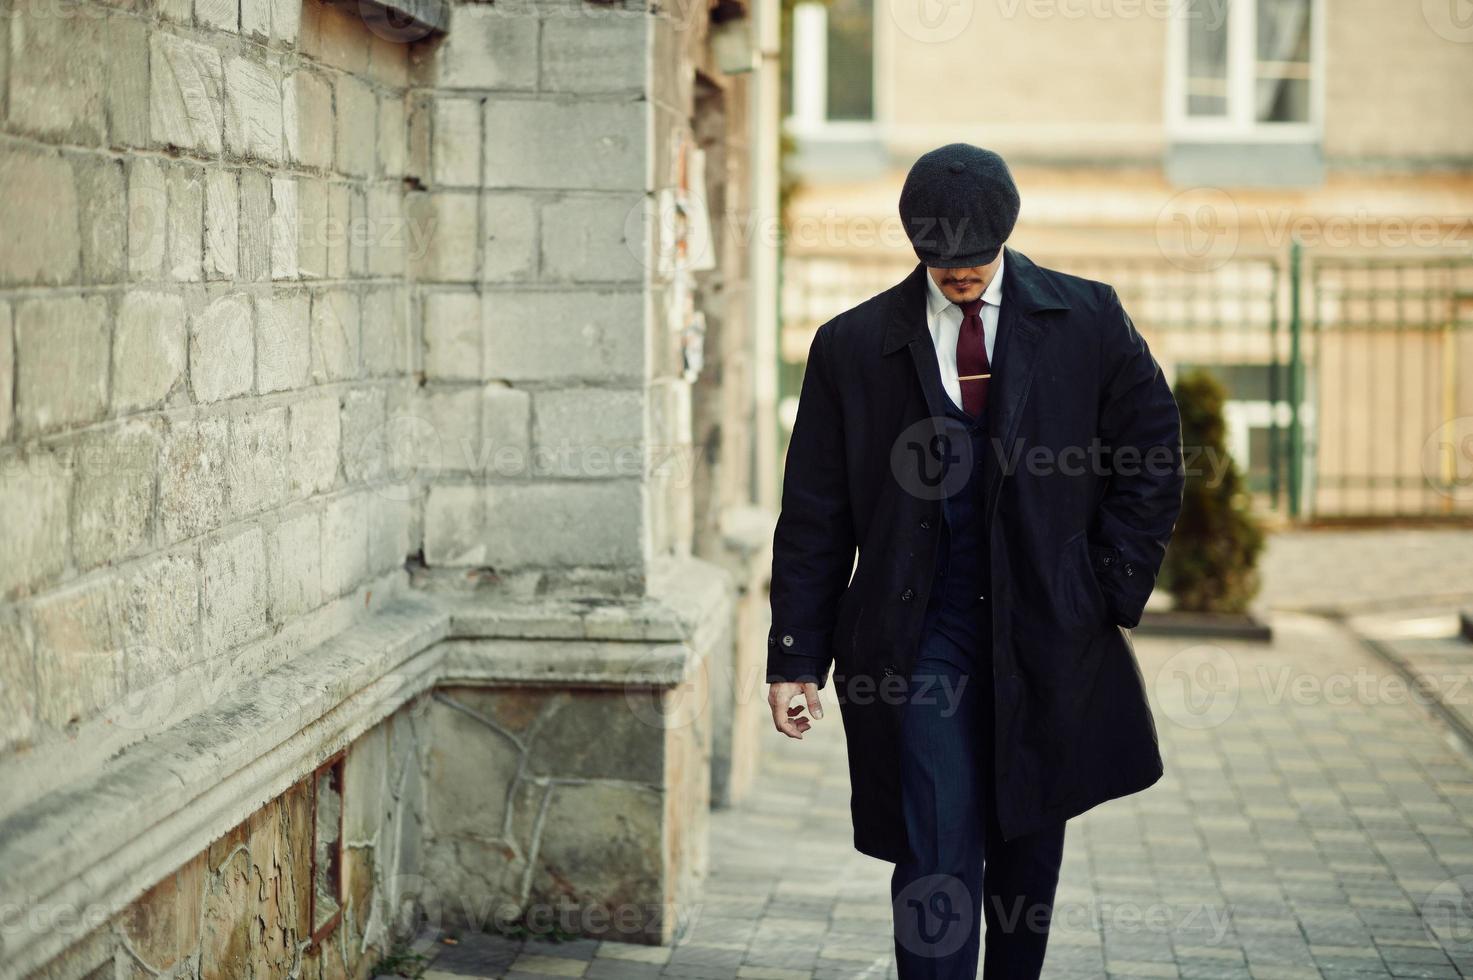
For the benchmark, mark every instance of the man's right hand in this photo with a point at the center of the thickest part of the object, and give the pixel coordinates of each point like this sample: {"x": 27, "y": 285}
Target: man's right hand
{"x": 788, "y": 717}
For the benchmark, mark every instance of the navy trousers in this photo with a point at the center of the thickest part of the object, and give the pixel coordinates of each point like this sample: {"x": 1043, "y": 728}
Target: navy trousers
{"x": 960, "y": 873}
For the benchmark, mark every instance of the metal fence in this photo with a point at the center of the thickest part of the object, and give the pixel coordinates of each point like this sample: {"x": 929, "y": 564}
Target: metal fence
{"x": 1388, "y": 351}
{"x": 1349, "y": 387}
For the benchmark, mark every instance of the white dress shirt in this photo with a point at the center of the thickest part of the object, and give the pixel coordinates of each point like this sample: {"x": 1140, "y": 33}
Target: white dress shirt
{"x": 945, "y": 320}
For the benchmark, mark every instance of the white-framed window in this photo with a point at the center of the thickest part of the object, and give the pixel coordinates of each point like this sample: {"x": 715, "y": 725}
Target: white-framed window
{"x": 832, "y": 88}
{"x": 1246, "y": 70}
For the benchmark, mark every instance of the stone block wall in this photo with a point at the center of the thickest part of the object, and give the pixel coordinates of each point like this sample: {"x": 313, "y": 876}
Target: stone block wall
{"x": 204, "y": 322}
{"x": 537, "y": 365}
{"x": 207, "y": 319}
{"x": 309, "y": 325}
{"x": 296, "y": 300}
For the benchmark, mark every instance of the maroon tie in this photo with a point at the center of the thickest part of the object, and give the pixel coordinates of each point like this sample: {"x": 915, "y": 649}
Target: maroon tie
{"x": 972, "y": 368}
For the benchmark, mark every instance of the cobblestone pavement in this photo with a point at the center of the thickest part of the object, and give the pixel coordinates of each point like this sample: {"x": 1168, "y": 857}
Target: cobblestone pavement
{"x": 1314, "y": 822}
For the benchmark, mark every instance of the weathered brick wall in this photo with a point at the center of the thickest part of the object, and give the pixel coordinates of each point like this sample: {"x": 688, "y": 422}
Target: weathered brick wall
{"x": 244, "y": 907}
{"x": 204, "y": 323}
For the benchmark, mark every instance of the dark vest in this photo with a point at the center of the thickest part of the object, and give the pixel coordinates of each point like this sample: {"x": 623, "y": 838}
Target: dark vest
{"x": 957, "y": 608}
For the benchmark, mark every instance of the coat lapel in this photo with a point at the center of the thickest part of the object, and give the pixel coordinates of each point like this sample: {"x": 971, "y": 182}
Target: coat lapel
{"x": 1025, "y": 292}
{"x": 1015, "y": 355}
{"x": 906, "y": 326}
{"x": 928, "y": 370}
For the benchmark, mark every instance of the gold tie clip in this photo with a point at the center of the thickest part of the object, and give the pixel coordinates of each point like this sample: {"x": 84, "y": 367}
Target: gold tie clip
{"x": 971, "y": 377}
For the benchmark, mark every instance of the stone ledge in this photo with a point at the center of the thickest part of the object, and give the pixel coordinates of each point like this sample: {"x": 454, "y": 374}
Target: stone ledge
{"x": 185, "y": 690}
{"x": 100, "y": 841}
{"x": 682, "y": 593}
{"x": 572, "y": 663}
{"x": 104, "y": 838}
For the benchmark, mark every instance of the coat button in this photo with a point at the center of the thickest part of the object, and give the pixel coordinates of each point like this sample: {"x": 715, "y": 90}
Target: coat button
{"x": 787, "y": 639}
{"x": 926, "y": 525}
{"x": 1128, "y": 568}
{"x": 1107, "y": 561}
{"x": 907, "y": 595}
{"x": 889, "y": 670}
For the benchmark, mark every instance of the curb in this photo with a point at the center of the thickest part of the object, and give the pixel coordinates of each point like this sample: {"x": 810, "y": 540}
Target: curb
{"x": 1460, "y": 725}
{"x": 1214, "y": 625}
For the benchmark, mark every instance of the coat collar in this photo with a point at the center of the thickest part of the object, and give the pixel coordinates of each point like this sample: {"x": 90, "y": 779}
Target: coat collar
{"x": 1024, "y": 287}
{"x": 1025, "y": 291}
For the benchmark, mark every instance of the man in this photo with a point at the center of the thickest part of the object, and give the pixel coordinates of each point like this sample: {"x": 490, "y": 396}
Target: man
{"x": 998, "y": 442}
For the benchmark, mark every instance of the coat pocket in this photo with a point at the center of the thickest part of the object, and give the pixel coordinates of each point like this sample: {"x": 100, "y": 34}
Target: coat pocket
{"x": 1080, "y": 598}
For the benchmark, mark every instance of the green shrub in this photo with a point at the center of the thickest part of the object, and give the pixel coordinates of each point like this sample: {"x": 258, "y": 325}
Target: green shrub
{"x": 1212, "y": 562}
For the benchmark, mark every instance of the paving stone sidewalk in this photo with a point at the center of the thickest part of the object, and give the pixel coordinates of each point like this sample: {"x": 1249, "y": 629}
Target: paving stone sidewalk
{"x": 1359, "y": 570}
{"x": 1312, "y": 824}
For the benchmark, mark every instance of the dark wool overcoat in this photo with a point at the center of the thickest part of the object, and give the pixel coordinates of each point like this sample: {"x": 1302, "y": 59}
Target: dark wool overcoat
{"x": 1082, "y": 492}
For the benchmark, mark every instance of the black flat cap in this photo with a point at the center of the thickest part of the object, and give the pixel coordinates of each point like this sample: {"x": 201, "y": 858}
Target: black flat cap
{"x": 958, "y": 206}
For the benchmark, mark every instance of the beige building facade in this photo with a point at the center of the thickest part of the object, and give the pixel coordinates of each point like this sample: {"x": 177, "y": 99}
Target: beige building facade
{"x": 1179, "y": 149}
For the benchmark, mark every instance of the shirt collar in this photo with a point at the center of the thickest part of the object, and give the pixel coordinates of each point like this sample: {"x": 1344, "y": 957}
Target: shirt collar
{"x": 936, "y": 300}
